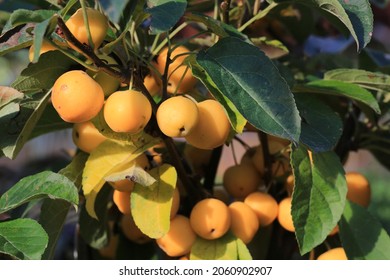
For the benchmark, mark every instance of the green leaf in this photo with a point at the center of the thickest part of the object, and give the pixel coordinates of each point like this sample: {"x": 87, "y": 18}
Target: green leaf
{"x": 165, "y": 14}
{"x": 95, "y": 231}
{"x": 362, "y": 235}
{"x": 217, "y": 27}
{"x": 18, "y": 38}
{"x": 372, "y": 80}
{"x": 252, "y": 82}
{"x": 54, "y": 212}
{"x": 9, "y": 111}
{"x": 17, "y": 130}
{"x": 9, "y": 94}
{"x": 151, "y": 206}
{"x": 242, "y": 251}
{"x": 22, "y": 16}
{"x": 42, "y": 185}
{"x": 319, "y": 196}
{"x": 40, "y": 77}
{"x": 223, "y": 248}
{"x": 321, "y": 126}
{"x": 236, "y": 119}
{"x": 134, "y": 173}
{"x": 40, "y": 30}
{"x": 345, "y": 89}
{"x": 355, "y": 15}
{"x": 23, "y": 239}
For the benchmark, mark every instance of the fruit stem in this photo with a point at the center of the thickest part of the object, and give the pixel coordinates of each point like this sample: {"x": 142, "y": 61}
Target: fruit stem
{"x": 268, "y": 160}
{"x": 123, "y": 76}
{"x": 225, "y": 7}
{"x": 86, "y": 23}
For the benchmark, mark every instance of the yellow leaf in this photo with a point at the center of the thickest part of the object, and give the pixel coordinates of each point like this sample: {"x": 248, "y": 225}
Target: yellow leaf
{"x": 151, "y": 206}
{"x": 223, "y": 248}
{"x": 106, "y": 159}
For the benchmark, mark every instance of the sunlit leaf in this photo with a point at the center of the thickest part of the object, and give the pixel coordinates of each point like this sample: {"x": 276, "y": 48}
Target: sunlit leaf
{"x": 223, "y": 248}
{"x": 151, "y": 206}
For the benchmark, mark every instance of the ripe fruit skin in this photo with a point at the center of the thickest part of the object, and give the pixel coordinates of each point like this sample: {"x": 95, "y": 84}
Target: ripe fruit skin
{"x": 122, "y": 201}
{"x": 131, "y": 231}
{"x": 175, "y": 203}
{"x": 265, "y": 207}
{"x": 153, "y": 85}
{"x": 290, "y": 184}
{"x": 127, "y": 111}
{"x": 86, "y": 136}
{"x": 213, "y": 126}
{"x": 240, "y": 180}
{"x": 127, "y": 185}
{"x": 210, "y": 218}
{"x": 179, "y": 239}
{"x": 180, "y": 78}
{"x": 77, "y": 97}
{"x": 359, "y": 190}
{"x": 333, "y": 254}
{"x": 108, "y": 83}
{"x": 176, "y": 116}
{"x": 98, "y": 25}
{"x": 244, "y": 223}
{"x": 284, "y": 215}
{"x": 46, "y": 46}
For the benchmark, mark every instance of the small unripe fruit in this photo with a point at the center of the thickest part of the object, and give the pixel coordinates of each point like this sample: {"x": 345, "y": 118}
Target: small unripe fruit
{"x": 131, "y": 231}
{"x": 98, "y": 26}
{"x": 244, "y": 223}
{"x": 213, "y": 126}
{"x": 86, "y": 136}
{"x": 179, "y": 239}
{"x": 210, "y": 218}
{"x": 334, "y": 254}
{"x": 265, "y": 207}
{"x": 127, "y": 111}
{"x": 77, "y": 97}
{"x": 359, "y": 190}
{"x": 177, "y": 116}
{"x": 240, "y": 180}
{"x": 284, "y": 215}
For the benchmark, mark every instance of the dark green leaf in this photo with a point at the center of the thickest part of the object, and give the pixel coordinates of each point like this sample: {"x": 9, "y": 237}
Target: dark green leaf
{"x": 321, "y": 127}
{"x": 42, "y": 185}
{"x": 49, "y": 121}
{"x": 377, "y": 81}
{"x": 23, "y": 239}
{"x": 23, "y": 16}
{"x": 217, "y": 27}
{"x": 355, "y": 15}
{"x": 40, "y": 30}
{"x": 165, "y": 14}
{"x": 345, "y": 89}
{"x": 40, "y": 77}
{"x": 9, "y": 111}
{"x": 115, "y": 8}
{"x": 54, "y": 212}
{"x": 319, "y": 196}
{"x": 16, "y": 131}
{"x": 252, "y": 82}
{"x": 236, "y": 119}
{"x": 95, "y": 231}
{"x": 362, "y": 235}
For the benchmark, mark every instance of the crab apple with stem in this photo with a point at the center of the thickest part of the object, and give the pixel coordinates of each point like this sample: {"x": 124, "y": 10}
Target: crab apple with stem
{"x": 77, "y": 97}
{"x": 98, "y": 26}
